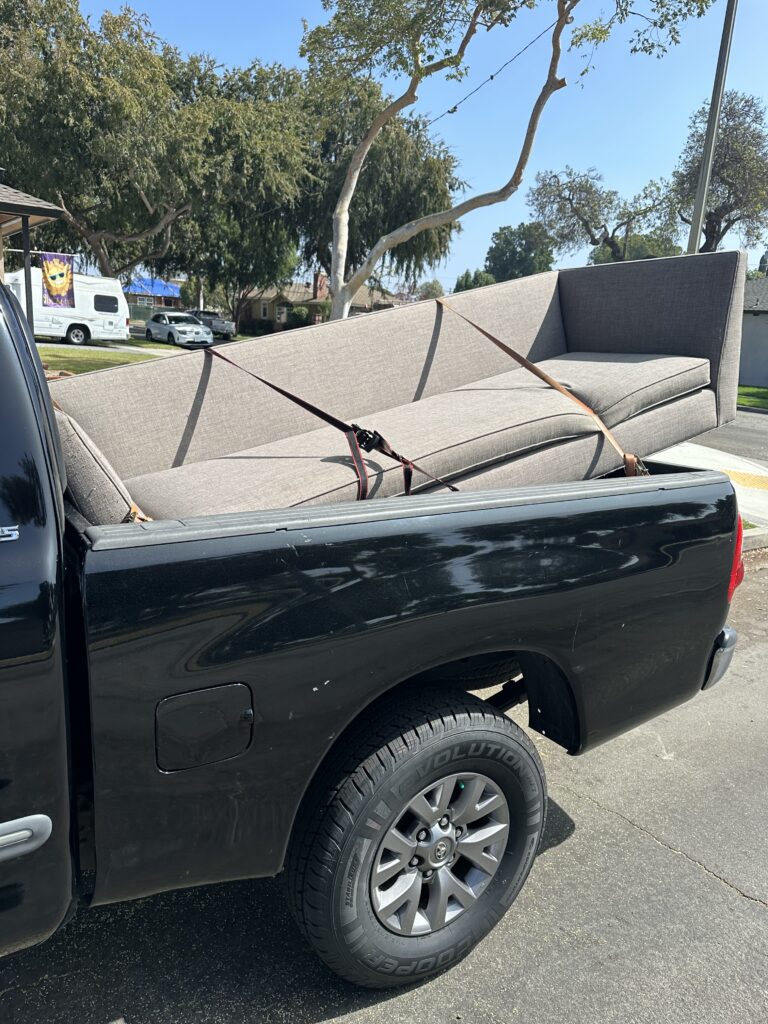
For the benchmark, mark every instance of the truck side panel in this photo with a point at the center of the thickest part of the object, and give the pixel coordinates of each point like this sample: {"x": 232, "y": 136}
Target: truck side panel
{"x": 624, "y": 592}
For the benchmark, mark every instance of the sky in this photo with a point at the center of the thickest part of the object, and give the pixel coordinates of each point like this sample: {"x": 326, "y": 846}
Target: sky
{"x": 628, "y": 117}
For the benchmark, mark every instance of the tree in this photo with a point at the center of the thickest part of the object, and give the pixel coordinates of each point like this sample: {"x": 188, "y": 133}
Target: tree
{"x": 738, "y": 191}
{"x": 412, "y": 40}
{"x": 430, "y": 290}
{"x": 638, "y": 247}
{"x": 247, "y": 241}
{"x": 128, "y": 135}
{"x": 405, "y": 174}
{"x": 519, "y": 252}
{"x": 468, "y": 280}
{"x": 576, "y": 210}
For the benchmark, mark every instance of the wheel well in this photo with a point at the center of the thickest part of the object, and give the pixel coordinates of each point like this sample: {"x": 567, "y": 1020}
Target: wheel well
{"x": 527, "y": 676}
{"x": 515, "y": 677}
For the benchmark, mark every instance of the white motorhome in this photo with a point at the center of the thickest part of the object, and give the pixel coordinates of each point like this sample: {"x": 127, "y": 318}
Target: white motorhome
{"x": 100, "y": 312}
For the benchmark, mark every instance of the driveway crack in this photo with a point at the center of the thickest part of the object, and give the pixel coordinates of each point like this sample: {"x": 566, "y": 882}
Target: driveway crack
{"x": 672, "y": 849}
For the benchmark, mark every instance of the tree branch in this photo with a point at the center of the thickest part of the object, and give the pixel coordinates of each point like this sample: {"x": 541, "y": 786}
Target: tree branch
{"x": 552, "y": 84}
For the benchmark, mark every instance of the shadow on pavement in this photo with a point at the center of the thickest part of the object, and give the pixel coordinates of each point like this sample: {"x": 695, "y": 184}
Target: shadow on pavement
{"x": 224, "y": 953}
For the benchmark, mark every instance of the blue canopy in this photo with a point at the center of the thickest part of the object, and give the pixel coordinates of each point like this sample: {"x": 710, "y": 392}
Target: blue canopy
{"x": 153, "y": 286}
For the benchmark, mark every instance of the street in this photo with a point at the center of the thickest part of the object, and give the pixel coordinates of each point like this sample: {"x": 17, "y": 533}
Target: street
{"x": 747, "y": 436}
{"x": 648, "y": 903}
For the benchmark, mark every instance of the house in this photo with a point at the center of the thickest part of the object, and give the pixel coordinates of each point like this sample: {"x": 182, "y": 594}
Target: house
{"x": 753, "y": 368}
{"x": 147, "y": 293}
{"x": 273, "y": 305}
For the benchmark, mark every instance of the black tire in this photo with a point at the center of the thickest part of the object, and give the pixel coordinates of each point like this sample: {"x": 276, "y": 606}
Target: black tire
{"x": 171, "y": 339}
{"x": 226, "y": 337}
{"x": 148, "y": 334}
{"x": 77, "y": 334}
{"x": 402, "y": 746}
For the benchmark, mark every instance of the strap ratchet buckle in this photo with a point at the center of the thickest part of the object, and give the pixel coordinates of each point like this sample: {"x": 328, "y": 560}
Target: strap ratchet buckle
{"x": 369, "y": 440}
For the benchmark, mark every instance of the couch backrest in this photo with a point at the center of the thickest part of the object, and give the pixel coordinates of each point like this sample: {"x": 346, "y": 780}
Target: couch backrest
{"x": 191, "y": 407}
{"x": 681, "y": 305}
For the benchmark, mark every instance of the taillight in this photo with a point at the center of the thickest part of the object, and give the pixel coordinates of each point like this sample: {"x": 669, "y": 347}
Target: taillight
{"x": 737, "y": 569}
{"x": 127, "y": 321}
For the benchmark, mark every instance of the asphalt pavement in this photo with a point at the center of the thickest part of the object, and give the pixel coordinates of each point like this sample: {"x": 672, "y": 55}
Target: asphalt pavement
{"x": 747, "y": 436}
{"x": 648, "y": 904}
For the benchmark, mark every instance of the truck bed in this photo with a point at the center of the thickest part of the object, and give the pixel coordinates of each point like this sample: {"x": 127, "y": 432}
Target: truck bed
{"x": 607, "y": 594}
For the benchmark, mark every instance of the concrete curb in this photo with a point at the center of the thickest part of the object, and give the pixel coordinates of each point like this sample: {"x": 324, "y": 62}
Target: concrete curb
{"x": 751, "y": 408}
{"x": 756, "y": 538}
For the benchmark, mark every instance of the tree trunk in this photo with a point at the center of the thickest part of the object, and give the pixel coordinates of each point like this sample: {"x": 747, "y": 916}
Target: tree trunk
{"x": 712, "y": 232}
{"x": 341, "y": 301}
{"x": 342, "y": 290}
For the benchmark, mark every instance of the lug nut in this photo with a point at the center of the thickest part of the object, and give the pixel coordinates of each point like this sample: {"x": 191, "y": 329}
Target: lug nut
{"x": 444, "y": 821}
{"x": 423, "y": 835}
{"x": 428, "y": 874}
{"x": 414, "y": 862}
{"x": 459, "y": 831}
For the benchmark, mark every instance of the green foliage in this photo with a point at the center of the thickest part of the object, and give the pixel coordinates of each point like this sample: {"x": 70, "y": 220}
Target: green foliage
{"x": 128, "y": 134}
{"x": 519, "y": 252}
{"x": 299, "y": 316}
{"x": 658, "y": 24}
{"x": 430, "y": 290}
{"x": 738, "y": 192}
{"x": 478, "y": 279}
{"x": 638, "y": 247}
{"x": 398, "y": 37}
{"x": 407, "y": 174}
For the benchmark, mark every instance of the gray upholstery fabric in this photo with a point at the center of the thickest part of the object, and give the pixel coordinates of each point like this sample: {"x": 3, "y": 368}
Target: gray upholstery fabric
{"x": 218, "y": 489}
{"x": 190, "y": 407}
{"x": 615, "y": 385}
{"x": 95, "y": 489}
{"x": 585, "y": 457}
{"x": 447, "y": 434}
{"x": 683, "y": 305}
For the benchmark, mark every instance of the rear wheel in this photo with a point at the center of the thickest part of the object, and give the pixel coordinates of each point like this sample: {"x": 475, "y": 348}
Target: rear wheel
{"x": 417, "y": 840}
{"x": 77, "y": 334}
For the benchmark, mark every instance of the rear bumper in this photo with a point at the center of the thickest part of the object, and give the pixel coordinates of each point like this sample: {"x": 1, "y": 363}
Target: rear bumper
{"x": 721, "y": 658}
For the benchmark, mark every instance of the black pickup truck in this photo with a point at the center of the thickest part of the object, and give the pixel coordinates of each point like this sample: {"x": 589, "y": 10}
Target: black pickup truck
{"x": 321, "y": 692}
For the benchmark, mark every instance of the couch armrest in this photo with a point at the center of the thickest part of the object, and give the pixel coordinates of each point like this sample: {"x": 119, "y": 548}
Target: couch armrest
{"x": 681, "y": 305}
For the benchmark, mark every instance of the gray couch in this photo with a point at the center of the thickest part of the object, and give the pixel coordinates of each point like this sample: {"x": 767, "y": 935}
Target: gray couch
{"x": 653, "y": 346}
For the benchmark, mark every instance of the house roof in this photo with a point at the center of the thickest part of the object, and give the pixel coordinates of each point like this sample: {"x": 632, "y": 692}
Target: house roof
{"x": 153, "y": 286}
{"x": 756, "y": 296}
{"x": 14, "y": 205}
{"x": 301, "y": 295}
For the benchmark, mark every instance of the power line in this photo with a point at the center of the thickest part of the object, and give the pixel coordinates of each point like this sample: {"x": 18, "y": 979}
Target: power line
{"x": 490, "y": 78}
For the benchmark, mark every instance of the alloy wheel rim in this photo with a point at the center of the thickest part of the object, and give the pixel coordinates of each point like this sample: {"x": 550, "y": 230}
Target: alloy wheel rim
{"x": 440, "y": 854}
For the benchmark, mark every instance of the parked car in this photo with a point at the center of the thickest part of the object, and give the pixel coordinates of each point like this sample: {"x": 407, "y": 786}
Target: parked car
{"x": 100, "y": 312}
{"x": 218, "y": 324}
{"x": 222, "y": 697}
{"x": 178, "y": 329}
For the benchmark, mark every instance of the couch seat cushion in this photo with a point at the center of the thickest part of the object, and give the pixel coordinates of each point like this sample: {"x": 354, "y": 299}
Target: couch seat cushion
{"x": 615, "y": 385}
{"x": 448, "y": 434}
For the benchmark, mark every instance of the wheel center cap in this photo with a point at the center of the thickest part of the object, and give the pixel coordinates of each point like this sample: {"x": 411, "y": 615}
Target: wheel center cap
{"x": 441, "y": 850}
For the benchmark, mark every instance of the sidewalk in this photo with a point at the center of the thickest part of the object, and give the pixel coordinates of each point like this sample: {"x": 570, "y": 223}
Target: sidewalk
{"x": 749, "y": 479}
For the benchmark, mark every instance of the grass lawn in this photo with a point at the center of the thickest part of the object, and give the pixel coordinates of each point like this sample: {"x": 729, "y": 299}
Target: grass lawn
{"x": 83, "y": 360}
{"x": 144, "y": 343}
{"x": 753, "y": 398}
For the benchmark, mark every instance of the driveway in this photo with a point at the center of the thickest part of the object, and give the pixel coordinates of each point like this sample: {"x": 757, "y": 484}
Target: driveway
{"x": 649, "y": 903}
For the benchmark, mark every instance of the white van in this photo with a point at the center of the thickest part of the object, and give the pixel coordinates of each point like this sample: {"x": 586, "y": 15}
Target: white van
{"x": 100, "y": 312}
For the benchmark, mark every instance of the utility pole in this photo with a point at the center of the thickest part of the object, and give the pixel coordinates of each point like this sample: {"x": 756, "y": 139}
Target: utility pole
{"x": 713, "y": 124}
